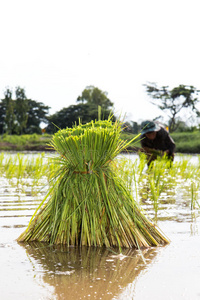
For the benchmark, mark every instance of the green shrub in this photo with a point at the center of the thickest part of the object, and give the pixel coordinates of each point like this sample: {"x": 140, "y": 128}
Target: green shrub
{"x": 187, "y": 142}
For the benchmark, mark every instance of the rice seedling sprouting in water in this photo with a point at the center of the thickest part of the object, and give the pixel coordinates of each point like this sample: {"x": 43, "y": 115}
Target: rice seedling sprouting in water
{"x": 88, "y": 204}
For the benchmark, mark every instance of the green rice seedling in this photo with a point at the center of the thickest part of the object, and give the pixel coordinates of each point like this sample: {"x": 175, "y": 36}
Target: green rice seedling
{"x": 194, "y": 194}
{"x": 22, "y": 170}
{"x": 10, "y": 168}
{"x": 156, "y": 188}
{"x": 126, "y": 170}
{"x": 88, "y": 204}
{"x": 36, "y": 169}
{"x": 1, "y": 162}
{"x": 185, "y": 169}
{"x": 173, "y": 180}
{"x": 21, "y": 167}
{"x": 142, "y": 164}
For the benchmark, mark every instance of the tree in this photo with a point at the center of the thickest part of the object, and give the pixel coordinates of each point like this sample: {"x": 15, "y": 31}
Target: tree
{"x": 7, "y": 116}
{"x": 93, "y": 95}
{"x": 10, "y": 116}
{"x": 21, "y": 115}
{"x": 69, "y": 116}
{"x": 2, "y": 116}
{"x": 85, "y": 111}
{"x": 174, "y": 100}
{"x": 131, "y": 127}
{"x": 91, "y": 98}
{"x": 37, "y": 112}
{"x": 21, "y": 110}
{"x": 66, "y": 117}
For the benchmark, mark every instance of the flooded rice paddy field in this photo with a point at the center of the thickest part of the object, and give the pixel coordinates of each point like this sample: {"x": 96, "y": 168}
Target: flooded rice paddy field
{"x": 38, "y": 271}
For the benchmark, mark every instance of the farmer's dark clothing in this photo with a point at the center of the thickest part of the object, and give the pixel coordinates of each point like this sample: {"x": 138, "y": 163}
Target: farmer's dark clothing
{"x": 162, "y": 142}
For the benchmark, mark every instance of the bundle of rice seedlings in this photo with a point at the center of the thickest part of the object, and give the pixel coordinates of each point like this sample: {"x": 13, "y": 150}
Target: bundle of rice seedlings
{"x": 88, "y": 203}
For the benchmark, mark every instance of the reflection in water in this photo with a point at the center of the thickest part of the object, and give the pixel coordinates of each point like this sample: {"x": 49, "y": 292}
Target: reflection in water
{"x": 87, "y": 273}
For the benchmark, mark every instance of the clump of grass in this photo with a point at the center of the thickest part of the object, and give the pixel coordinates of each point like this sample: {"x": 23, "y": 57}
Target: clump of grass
{"x": 88, "y": 203}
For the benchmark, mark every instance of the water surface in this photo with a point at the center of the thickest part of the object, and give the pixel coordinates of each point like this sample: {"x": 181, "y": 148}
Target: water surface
{"x": 38, "y": 271}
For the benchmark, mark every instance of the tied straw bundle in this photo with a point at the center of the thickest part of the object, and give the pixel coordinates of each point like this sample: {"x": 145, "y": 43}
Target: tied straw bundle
{"x": 88, "y": 203}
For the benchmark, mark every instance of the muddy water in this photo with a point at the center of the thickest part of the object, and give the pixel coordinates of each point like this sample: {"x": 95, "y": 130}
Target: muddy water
{"x": 37, "y": 271}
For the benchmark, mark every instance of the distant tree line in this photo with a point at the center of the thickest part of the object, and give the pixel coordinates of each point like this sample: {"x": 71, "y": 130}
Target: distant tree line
{"x": 21, "y": 115}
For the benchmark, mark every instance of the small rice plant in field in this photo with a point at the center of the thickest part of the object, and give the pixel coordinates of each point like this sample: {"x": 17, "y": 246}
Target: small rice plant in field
{"x": 156, "y": 181}
{"x": 181, "y": 177}
{"x": 89, "y": 204}
{"x": 141, "y": 165}
{"x": 21, "y": 170}
{"x": 158, "y": 186}
{"x": 1, "y": 160}
{"x": 128, "y": 175}
{"x": 195, "y": 195}
{"x": 184, "y": 168}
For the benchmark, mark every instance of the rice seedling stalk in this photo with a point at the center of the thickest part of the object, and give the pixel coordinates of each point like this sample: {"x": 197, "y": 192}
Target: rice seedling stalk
{"x": 194, "y": 194}
{"x": 88, "y": 204}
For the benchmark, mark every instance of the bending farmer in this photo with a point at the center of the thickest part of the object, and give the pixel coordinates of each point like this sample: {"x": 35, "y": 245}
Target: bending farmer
{"x": 156, "y": 141}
